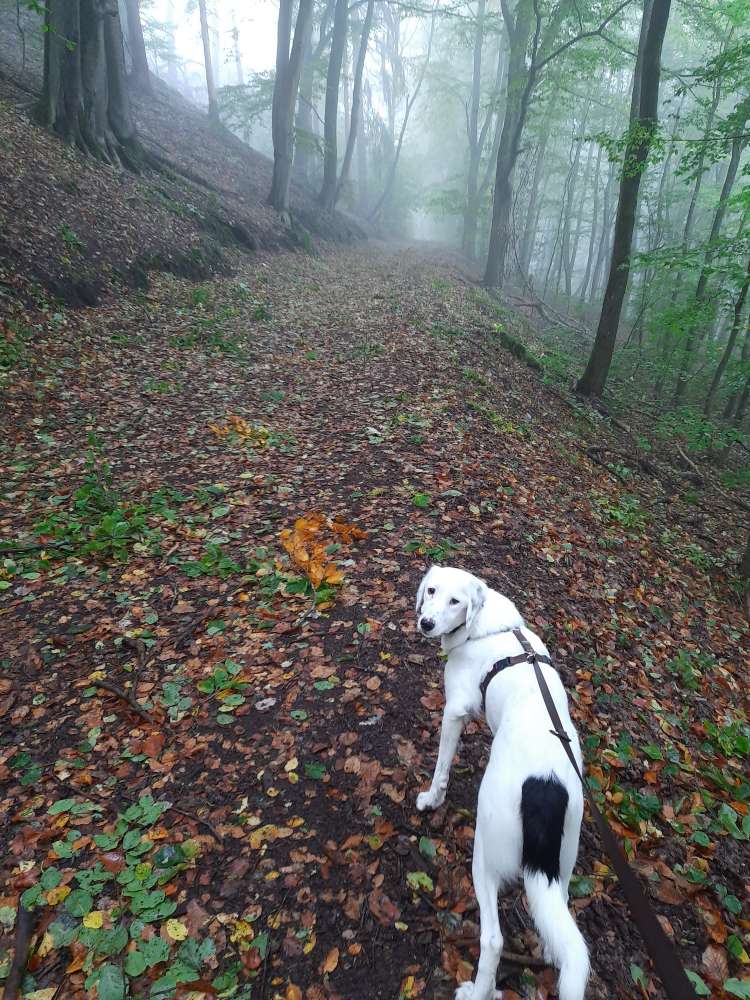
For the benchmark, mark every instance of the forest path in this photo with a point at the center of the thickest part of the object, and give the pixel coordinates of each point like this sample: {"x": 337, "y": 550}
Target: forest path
{"x": 225, "y": 441}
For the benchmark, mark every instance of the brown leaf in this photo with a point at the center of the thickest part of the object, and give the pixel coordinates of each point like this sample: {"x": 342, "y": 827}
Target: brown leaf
{"x": 383, "y": 908}
{"x": 331, "y": 961}
{"x": 715, "y": 964}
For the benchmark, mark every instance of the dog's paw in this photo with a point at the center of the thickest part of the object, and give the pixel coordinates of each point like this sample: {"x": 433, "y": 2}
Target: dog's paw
{"x": 464, "y": 992}
{"x": 429, "y": 800}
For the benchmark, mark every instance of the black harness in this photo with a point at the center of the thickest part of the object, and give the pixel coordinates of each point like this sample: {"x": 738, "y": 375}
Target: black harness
{"x": 527, "y": 656}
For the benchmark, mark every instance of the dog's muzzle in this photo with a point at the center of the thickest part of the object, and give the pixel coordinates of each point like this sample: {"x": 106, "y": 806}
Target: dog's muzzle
{"x": 426, "y": 625}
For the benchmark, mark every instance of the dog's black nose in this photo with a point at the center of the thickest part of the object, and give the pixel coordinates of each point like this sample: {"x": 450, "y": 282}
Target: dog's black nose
{"x": 427, "y": 624}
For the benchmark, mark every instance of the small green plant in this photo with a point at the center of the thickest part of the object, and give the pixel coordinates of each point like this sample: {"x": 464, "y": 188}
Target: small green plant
{"x": 690, "y": 666}
{"x": 226, "y": 686}
{"x": 14, "y": 339}
{"x": 260, "y": 313}
{"x": 118, "y": 912}
{"x": 626, "y": 511}
{"x": 99, "y": 522}
{"x": 437, "y": 551}
{"x": 213, "y": 562}
{"x": 70, "y": 237}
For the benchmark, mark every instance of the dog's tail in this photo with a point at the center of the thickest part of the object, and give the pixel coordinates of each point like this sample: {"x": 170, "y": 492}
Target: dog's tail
{"x": 561, "y": 938}
{"x": 544, "y": 802}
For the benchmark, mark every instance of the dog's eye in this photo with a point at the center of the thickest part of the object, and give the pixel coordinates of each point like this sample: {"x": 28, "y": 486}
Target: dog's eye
{"x": 430, "y": 591}
{"x": 453, "y": 600}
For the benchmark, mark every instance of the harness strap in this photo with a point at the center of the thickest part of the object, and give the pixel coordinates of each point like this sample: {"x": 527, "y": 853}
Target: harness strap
{"x": 509, "y": 661}
{"x": 674, "y": 979}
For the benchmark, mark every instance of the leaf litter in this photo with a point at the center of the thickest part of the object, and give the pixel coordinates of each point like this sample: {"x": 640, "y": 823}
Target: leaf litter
{"x": 222, "y": 514}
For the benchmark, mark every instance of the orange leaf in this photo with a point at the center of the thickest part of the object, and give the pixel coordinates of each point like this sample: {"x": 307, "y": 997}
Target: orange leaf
{"x": 331, "y": 960}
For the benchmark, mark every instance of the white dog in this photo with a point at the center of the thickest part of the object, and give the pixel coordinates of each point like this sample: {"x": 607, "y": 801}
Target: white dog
{"x": 530, "y": 799}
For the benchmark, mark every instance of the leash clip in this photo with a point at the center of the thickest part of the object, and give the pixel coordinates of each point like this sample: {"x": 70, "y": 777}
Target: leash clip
{"x": 563, "y": 737}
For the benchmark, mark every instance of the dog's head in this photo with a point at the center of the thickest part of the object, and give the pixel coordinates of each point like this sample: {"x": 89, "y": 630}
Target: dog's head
{"x": 448, "y": 598}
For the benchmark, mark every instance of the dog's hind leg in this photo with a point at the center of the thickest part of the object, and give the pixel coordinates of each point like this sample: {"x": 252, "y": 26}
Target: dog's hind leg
{"x": 486, "y": 887}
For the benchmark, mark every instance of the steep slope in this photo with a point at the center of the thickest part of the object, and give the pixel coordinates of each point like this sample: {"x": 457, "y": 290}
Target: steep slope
{"x": 80, "y": 229}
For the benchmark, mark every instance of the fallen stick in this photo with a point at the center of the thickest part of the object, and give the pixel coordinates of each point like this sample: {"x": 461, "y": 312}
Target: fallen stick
{"x": 128, "y": 698}
{"x": 22, "y": 943}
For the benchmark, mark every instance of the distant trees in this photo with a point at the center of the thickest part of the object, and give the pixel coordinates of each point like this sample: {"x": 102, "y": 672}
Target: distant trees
{"x": 213, "y": 104}
{"x": 327, "y": 196}
{"x": 140, "y": 75}
{"x": 643, "y": 123}
{"x": 289, "y": 56}
{"x": 85, "y": 96}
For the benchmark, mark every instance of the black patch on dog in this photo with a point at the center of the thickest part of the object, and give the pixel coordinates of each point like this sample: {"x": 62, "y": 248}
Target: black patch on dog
{"x": 543, "y": 805}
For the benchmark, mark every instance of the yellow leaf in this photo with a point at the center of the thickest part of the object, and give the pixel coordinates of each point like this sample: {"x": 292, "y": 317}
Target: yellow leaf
{"x": 94, "y": 920}
{"x": 58, "y": 894}
{"x": 243, "y": 931}
{"x": 176, "y": 930}
{"x": 310, "y": 944}
{"x": 291, "y": 765}
{"x": 45, "y": 994}
{"x": 331, "y": 960}
{"x": 46, "y": 945}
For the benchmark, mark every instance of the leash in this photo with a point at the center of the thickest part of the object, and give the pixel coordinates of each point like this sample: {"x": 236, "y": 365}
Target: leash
{"x": 668, "y": 966}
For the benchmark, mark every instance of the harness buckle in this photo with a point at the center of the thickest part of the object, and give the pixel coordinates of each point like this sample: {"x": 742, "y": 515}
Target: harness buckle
{"x": 530, "y": 656}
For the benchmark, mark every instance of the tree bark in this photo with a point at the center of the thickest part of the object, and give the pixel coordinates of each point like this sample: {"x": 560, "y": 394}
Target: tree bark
{"x": 327, "y": 196}
{"x": 354, "y": 127}
{"x": 85, "y": 97}
{"x": 286, "y": 85}
{"x": 642, "y": 127}
{"x": 140, "y": 76}
{"x": 213, "y": 106}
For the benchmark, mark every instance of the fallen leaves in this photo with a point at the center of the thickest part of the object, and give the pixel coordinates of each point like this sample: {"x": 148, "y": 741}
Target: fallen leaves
{"x": 310, "y": 551}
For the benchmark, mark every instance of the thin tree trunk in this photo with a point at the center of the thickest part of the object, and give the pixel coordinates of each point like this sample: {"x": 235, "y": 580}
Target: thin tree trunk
{"x": 391, "y": 175}
{"x": 239, "y": 75}
{"x": 471, "y": 211}
{"x": 594, "y": 223}
{"x": 692, "y": 338}
{"x": 581, "y": 208}
{"x": 362, "y": 172}
{"x": 140, "y": 77}
{"x": 739, "y": 305}
{"x": 213, "y": 107}
{"x": 643, "y": 126}
{"x": 354, "y": 127}
{"x": 532, "y": 215}
{"x": 327, "y": 196}
{"x": 288, "y": 69}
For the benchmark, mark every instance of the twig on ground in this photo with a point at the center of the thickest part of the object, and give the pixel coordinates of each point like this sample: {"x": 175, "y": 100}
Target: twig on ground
{"x": 201, "y": 822}
{"x": 22, "y": 943}
{"x": 128, "y": 698}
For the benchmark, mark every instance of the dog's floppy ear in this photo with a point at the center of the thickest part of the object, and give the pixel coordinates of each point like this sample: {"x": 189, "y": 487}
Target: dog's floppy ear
{"x": 477, "y": 596}
{"x": 422, "y": 588}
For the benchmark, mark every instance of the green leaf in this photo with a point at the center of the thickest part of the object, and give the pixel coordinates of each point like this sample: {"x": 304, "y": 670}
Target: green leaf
{"x": 61, "y": 806}
{"x": 225, "y": 720}
{"x": 738, "y": 988}
{"x": 135, "y": 963}
{"x": 50, "y": 879}
{"x": 111, "y": 985}
{"x": 155, "y": 951}
{"x": 581, "y": 886}
{"x": 315, "y": 771}
{"x": 421, "y": 499}
{"x": 420, "y": 880}
{"x": 638, "y": 976}
{"x": 700, "y": 987}
{"x": 732, "y": 904}
{"x": 427, "y": 848}
{"x": 701, "y": 838}
{"x": 298, "y": 714}
{"x": 79, "y": 903}
{"x": 735, "y": 947}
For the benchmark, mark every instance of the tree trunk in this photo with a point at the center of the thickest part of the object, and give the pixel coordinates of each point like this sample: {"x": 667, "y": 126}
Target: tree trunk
{"x": 304, "y": 120}
{"x": 286, "y": 85}
{"x": 594, "y": 225}
{"x": 239, "y": 75}
{"x": 532, "y": 214}
{"x": 745, "y": 564}
{"x": 642, "y": 128}
{"x": 140, "y": 77}
{"x": 327, "y": 196}
{"x": 518, "y": 92}
{"x": 354, "y": 126}
{"x": 738, "y": 145}
{"x": 363, "y": 194}
{"x": 85, "y": 96}
{"x": 471, "y": 211}
{"x": 579, "y": 219}
{"x": 213, "y": 107}
{"x": 739, "y": 305}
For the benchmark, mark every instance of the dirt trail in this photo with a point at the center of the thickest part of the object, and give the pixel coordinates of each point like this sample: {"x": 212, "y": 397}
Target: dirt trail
{"x": 366, "y": 386}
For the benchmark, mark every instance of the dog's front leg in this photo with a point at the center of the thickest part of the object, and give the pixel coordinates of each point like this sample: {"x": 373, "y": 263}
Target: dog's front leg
{"x": 451, "y": 729}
